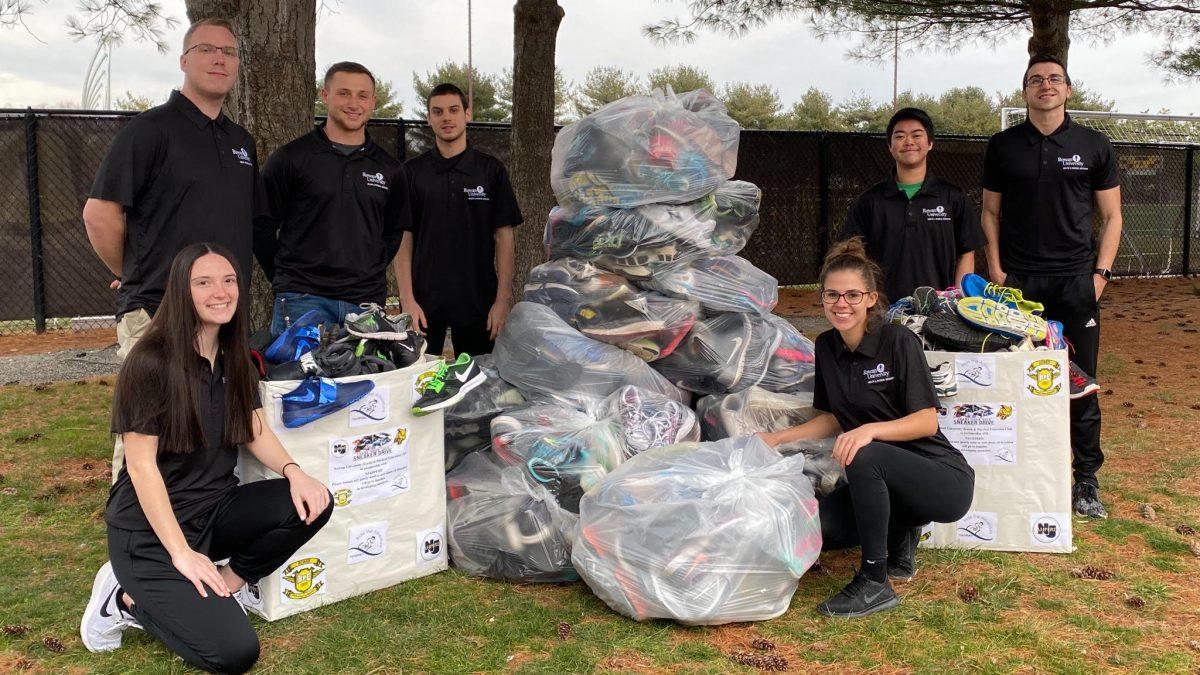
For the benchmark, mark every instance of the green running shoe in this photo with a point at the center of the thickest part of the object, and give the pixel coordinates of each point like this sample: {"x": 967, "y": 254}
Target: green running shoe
{"x": 449, "y": 384}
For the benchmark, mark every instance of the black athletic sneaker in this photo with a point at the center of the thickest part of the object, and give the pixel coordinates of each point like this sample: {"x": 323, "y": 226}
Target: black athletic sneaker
{"x": 1085, "y": 498}
{"x": 902, "y": 556}
{"x": 449, "y": 384}
{"x": 860, "y": 597}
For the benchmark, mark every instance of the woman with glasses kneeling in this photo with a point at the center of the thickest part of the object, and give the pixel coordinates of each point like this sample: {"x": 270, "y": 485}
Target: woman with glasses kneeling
{"x": 186, "y": 397}
{"x": 875, "y": 392}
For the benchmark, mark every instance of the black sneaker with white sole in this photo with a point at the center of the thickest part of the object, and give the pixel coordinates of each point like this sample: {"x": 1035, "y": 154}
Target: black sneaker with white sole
{"x": 449, "y": 384}
{"x": 860, "y": 597}
{"x": 105, "y": 620}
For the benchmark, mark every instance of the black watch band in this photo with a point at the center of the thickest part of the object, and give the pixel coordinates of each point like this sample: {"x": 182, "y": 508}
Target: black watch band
{"x": 1106, "y": 273}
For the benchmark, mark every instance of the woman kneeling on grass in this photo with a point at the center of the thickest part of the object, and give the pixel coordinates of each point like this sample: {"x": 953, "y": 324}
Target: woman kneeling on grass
{"x": 873, "y": 384}
{"x": 185, "y": 399}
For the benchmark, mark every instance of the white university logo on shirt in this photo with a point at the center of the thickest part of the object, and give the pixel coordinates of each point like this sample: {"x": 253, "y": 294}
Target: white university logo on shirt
{"x": 476, "y": 193}
{"x": 878, "y": 374}
{"x": 375, "y": 180}
{"x": 243, "y": 155}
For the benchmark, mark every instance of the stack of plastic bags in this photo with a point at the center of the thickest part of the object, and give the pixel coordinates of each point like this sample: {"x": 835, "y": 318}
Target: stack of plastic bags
{"x": 468, "y": 423}
{"x": 701, "y": 533}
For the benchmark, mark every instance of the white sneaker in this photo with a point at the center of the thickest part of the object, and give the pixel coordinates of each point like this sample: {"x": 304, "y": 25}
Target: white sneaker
{"x": 104, "y": 620}
{"x": 945, "y": 380}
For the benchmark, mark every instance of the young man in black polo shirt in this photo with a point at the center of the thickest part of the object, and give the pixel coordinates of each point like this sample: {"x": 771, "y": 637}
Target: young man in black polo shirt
{"x": 1042, "y": 182}
{"x": 455, "y": 267}
{"x": 177, "y": 174}
{"x": 920, "y": 229}
{"x": 338, "y": 203}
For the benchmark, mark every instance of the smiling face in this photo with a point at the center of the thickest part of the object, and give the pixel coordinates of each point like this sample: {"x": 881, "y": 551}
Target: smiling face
{"x": 214, "y": 288}
{"x": 910, "y": 143}
{"x": 448, "y": 117}
{"x": 843, "y": 314}
{"x": 350, "y": 99}
{"x": 1041, "y": 91}
{"x": 211, "y": 75}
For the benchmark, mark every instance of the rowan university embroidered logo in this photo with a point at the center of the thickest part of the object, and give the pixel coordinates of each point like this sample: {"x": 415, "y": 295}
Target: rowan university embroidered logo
{"x": 243, "y": 156}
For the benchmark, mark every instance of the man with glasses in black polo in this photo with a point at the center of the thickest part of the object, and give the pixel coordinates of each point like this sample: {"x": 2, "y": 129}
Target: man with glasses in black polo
{"x": 177, "y": 174}
{"x": 1043, "y": 182}
{"x": 919, "y": 228}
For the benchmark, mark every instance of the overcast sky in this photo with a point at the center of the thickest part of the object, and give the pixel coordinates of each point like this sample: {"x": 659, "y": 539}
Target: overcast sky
{"x": 396, "y": 37}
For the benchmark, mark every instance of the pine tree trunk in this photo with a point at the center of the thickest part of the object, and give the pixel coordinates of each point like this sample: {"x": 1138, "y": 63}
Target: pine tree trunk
{"x": 273, "y": 98}
{"x": 535, "y": 30}
{"x": 1051, "y": 21}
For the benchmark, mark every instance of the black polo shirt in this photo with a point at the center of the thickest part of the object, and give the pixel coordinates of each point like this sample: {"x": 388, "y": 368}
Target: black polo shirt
{"x": 1047, "y": 183}
{"x": 457, "y": 204}
{"x": 183, "y": 178}
{"x": 196, "y": 480}
{"x": 918, "y": 241}
{"x": 335, "y": 219}
{"x": 885, "y": 379}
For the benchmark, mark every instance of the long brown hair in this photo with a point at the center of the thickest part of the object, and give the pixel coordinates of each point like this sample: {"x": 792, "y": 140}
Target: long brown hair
{"x": 851, "y": 254}
{"x": 165, "y": 362}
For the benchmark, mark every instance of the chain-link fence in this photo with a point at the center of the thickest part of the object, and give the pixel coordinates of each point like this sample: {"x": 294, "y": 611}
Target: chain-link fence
{"x": 52, "y": 279}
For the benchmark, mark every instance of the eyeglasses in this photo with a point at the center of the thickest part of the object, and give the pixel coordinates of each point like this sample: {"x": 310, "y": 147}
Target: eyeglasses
{"x": 1038, "y": 80}
{"x": 211, "y": 50}
{"x": 852, "y": 297}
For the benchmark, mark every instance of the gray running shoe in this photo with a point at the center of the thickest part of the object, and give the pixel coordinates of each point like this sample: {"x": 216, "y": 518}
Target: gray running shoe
{"x": 1085, "y": 498}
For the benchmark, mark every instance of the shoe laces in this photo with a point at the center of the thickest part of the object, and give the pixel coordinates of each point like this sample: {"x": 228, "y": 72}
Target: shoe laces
{"x": 1003, "y": 293}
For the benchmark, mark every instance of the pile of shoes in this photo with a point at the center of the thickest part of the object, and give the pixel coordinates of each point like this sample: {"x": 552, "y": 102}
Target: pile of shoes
{"x": 701, "y": 533}
{"x": 468, "y": 423}
{"x": 370, "y": 342}
{"x": 982, "y": 317}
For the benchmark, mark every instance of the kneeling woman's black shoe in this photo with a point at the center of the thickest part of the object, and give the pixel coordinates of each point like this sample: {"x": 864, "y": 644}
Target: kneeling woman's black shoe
{"x": 860, "y": 597}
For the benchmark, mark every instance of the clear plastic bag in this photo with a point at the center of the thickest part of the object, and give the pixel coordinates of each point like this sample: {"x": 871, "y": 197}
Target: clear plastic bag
{"x": 501, "y": 526}
{"x": 819, "y": 465}
{"x": 648, "y": 148}
{"x": 568, "y": 451}
{"x": 654, "y": 238}
{"x": 547, "y": 359}
{"x": 731, "y": 352}
{"x": 604, "y": 306}
{"x": 702, "y": 533}
{"x": 722, "y": 284}
{"x": 468, "y": 422}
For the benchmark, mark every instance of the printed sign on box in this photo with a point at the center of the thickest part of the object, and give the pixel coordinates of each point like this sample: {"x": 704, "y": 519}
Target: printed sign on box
{"x": 373, "y": 408}
{"x": 985, "y": 433}
{"x": 365, "y": 468}
{"x": 975, "y": 371}
{"x": 367, "y": 542}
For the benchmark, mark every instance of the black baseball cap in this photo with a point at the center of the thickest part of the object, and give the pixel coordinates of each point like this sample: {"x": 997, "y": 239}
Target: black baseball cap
{"x": 910, "y": 114}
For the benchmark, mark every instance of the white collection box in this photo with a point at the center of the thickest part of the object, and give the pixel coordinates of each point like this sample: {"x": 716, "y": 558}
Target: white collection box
{"x": 386, "y": 470}
{"x": 1011, "y": 420}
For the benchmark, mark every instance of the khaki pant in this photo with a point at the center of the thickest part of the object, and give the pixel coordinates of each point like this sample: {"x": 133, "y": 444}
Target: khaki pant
{"x": 131, "y": 327}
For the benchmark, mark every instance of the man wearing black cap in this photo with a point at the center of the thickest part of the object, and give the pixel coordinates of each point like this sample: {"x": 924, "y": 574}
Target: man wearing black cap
{"x": 1043, "y": 182}
{"x": 919, "y": 228}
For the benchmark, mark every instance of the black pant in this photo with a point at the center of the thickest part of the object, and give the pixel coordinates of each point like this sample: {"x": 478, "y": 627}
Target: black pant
{"x": 889, "y": 490}
{"x": 471, "y": 337}
{"x": 1072, "y": 300}
{"x": 257, "y": 528}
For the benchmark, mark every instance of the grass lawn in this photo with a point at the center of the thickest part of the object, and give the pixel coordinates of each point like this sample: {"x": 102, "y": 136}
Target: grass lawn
{"x": 1030, "y": 612}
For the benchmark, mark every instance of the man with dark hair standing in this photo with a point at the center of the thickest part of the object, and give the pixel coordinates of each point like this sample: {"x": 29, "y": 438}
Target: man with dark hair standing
{"x": 455, "y": 267}
{"x": 920, "y": 229}
{"x": 1043, "y": 180}
{"x": 339, "y": 204}
{"x": 178, "y": 174}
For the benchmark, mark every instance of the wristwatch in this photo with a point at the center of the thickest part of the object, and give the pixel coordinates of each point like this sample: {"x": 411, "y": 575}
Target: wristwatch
{"x": 1105, "y": 273}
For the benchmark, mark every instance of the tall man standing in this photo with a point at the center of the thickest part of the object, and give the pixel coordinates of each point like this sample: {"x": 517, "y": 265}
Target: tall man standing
{"x": 339, "y": 205}
{"x": 455, "y": 267}
{"x": 1042, "y": 182}
{"x": 920, "y": 229}
{"x": 177, "y": 174}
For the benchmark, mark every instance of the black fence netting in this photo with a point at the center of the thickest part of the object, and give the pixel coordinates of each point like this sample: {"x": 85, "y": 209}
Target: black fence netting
{"x": 52, "y": 279}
